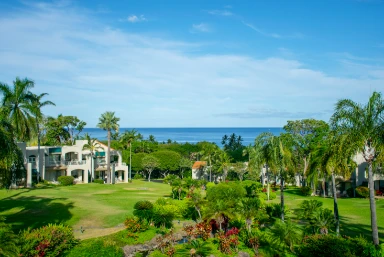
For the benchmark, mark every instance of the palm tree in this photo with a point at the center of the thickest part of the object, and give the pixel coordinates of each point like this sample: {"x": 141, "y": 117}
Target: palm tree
{"x": 109, "y": 122}
{"x": 17, "y": 103}
{"x": 364, "y": 126}
{"x": 37, "y": 105}
{"x": 286, "y": 234}
{"x": 128, "y": 137}
{"x": 282, "y": 161}
{"x": 223, "y": 162}
{"x": 93, "y": 146}
{"x": 332, "y": 159}
{"x": 208, "y": 151}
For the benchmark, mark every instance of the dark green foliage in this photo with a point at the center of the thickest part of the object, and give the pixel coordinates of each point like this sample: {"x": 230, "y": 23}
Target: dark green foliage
{"x": 137, "y": 161}
{"x": 98, "y": 181}
{"x": 350, "y": 192}
{"x": 332, "y": 246}
{"x": 252, "y": 187}
{"x": 264, "y": 196}
{"x": 8, "y": 240}
{"x": 362, "y": 192}
{"x": 273, "y": 210}
{"x": 169, "y": 160}
{"x": 308, "y": 207}
{"x": 94, "y": 248}
{"x": 231, "y": 192}
{"x": 66, "y": 180}
{"x": 51, "y": 240}
{"x": 138, "y": 176}
{"x": 306, "y": 190}
{"x": 143, "y": 210}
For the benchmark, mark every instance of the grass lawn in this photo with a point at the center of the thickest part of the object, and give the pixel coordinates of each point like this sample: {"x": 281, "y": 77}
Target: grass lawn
{"x": 97, "y": 208}
{"x": 354, "y": 213}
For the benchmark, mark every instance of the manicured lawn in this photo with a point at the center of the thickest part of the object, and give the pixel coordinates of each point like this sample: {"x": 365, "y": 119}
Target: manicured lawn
{"x": 354, "y": 212}
{"x": 99, "y": 209}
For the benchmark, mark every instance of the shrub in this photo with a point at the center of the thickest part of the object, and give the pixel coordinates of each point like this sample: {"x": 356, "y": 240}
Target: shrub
{"x": 138, "y": 176}
{"x": 134, "y": 225}
{"x": 252, "y": 187}
{"x": 350, "y": 192}
{"x": 8, "y": 240}
{"x": 264, "y": 196}
{"x": 274, "y": 210}
{"x": 163, "y": 215}
{"x": 362, "y": 192}
{"x": 51, "y": 240}
{"x": 143, "y": 210}
{"x": 331, "y": 246}
{"x": 66, "y": 180}
{"x": 306, "y": 190}
{"x": 98, "y": 181}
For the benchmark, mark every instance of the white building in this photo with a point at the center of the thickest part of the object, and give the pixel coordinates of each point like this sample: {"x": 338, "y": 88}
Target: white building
{"x": 73, "y": 161}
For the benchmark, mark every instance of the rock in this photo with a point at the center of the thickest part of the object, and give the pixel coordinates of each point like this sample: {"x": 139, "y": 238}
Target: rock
{"x": 243, "y": 254}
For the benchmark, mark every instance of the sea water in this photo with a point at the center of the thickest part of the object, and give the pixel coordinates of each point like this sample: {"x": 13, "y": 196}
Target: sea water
{"x": 190, "y": 135}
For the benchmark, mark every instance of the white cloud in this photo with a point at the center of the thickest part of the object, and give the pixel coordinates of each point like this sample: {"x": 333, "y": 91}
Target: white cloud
{"x": 274, "y": 35}
{"x": 220, "y": 12}
{"x": 201, "y": 27}
{"x": 135, "y": 19}
{"x": 88, "y": 68}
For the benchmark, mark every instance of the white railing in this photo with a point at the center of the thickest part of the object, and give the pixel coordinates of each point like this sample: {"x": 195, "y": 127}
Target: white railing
{"x": 56, "y": 163}
{"x": 76, "y": 162}
{"x": 123, "y": 164}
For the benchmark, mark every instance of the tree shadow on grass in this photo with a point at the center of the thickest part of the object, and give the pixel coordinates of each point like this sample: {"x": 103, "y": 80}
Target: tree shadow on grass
{"x": 353, "y": 230}
{"x": 30, "y": 211}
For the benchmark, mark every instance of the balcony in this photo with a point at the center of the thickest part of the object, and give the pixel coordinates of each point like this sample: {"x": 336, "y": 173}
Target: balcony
{"x": 76, "y": 162}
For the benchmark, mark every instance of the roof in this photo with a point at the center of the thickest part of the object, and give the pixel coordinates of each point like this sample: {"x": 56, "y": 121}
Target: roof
{"x": 199, "y": 164}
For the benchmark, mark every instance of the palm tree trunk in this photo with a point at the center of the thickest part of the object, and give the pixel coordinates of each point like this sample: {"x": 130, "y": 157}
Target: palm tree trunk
{"x": 282, "y": 197}
{"x": 109, "y": 158}
{"x": 267, "y": 185}
{"x": 38, "y": 151}
{"x": 335, "y": 206}
{"x": 372, "y": 203}
{"x": 210, "y": 169}
{"x": 130, "y": 162}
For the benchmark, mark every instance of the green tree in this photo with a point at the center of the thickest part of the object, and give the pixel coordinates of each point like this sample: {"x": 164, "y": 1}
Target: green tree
{"x": 150, "y": 163}
{"x": 38, "y": 104}
{"x": 363, "y": 125}
{"x": 109, "y": 122}
{"x": 184, "y": 164}
{"x": 168, "y": 161}
{"x": 305, "y": 134}
{"x": 222, "y": 163}
{"x": 208, "y": 151}
{"x": 240, "y": 169}
{"x": 128, "y": 137}
{"x": 93, "y": 146}
{"x": 249, "y": 209}
{"x": 17, "y": 104}
{"x": 285, "y": 234}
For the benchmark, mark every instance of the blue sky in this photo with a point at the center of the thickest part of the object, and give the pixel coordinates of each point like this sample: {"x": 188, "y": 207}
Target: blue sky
{"x": 195, "y": 63}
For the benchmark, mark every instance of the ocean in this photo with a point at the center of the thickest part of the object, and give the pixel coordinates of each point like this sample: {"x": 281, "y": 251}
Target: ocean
{"x": 190, "y": 135}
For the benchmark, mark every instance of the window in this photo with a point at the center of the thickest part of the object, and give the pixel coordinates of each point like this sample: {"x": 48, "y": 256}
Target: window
{"x": 32, "y": 159}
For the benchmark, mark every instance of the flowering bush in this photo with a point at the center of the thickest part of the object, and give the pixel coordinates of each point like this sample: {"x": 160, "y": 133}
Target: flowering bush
{"x": 201, "y": 229}
{"x": 134, "y": 225}
{"x": 51, "y": 240}
{"x": 227, "y": 244}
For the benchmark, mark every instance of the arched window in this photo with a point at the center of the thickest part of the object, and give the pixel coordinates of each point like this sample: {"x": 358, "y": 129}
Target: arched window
{"x": 32, "y": 159}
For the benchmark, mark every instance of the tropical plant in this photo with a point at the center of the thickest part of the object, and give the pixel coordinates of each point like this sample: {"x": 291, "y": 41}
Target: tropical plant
{"x": 223, "y": 163}
{"x": 109, "y": 122}
{"x": 128, "y": 137}
{"x": 208, "y": 151}
{"x": 184, "y": 164}
{"x": 8, "y": 240}
{"x": 150, "y": 163}
{"x": 17, "y": 104}
{"x": 38, "y": 104}
{"x": 195, "y": 248}
{"x": 323, "y": 220}
{"x": 285, "y": 234}
{"x": 249, "y": 209}
{"x": 240, "y": 169}
{"x": 363, "y": 125}
{"x": 93, "y": 147}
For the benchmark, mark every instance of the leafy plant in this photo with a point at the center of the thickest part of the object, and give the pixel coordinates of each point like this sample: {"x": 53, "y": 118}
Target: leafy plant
{"x": 8, "y": 240}
{"x": 134, "y": 225}
{"x": 105, "y": 248}
{"x": 66, "y": 180}
{"x": 143, "y": 210}
{"x": 362, "y": 192}
{"x": 306, "y": 190}
{"x": 285, "y": 234}
{"x": 50, "y": 240}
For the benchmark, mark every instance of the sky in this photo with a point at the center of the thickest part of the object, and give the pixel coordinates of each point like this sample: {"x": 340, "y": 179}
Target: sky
{"x": 195, "y": 63}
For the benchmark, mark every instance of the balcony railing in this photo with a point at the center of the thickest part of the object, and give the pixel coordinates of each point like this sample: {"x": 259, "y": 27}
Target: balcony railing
{"x": 76, "y": 162}
{"x": 56, "y": 163}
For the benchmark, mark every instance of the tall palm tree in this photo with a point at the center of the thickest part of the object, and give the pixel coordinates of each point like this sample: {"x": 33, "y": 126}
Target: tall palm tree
{"x": 364, "y": 126}
{"x": 93, "y": 146}
{"x": 37, "y": 105}
{"x": 208, "y": 151}
{"x": 223, "y": 162}
{"x": 109, "y": 122}
{"x": 282, "y": 161}
{"x": 128, "y": 137}
{"x": 332, "y": 158}
{"x": 17, "y": 104}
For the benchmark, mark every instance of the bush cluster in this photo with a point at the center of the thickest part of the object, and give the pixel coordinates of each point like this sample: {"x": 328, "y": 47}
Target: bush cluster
{"x": 98, "y": 181}
{"x": 66, "y": 180}
{"x": 306, "y": 190}
{"x": 332, "y": 246}
{"x": 362, "y": 192}
{"x": 50, "y": 240}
